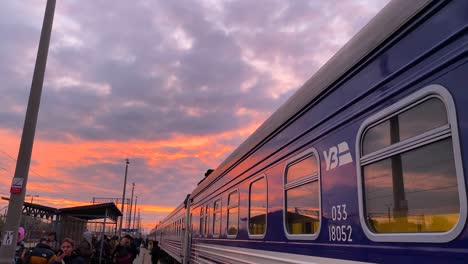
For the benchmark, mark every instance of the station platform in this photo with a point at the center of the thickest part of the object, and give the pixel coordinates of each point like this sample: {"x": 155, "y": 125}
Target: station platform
{"x": 145, "y": 257}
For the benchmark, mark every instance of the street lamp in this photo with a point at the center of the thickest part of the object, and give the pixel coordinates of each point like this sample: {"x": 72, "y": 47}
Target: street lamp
{"x": 127, "y": 161}
{"x": 32, "y": 196}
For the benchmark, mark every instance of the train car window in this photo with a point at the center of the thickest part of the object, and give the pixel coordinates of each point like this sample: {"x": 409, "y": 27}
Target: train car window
{"x": 302, "y": 212}
{"x": 217, "y": 217}
{"x": 411, "y": 176}
{"x": 233, "y": 214}
{"x": 258, "y": 208}
{"x": 207, "y": 219}
{"x": 202, "y": 220}
{"x": 421, "y": 118}
{"x": 301, "y": 169}
{"x": 191, "y": 223}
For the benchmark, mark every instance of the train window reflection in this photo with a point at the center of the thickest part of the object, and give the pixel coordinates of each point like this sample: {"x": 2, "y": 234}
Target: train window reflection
{"x": 258, "y": 207}
{"x": 233, "y": 213}
{"x": 423, "y": 117}
{"x": 202, "y": 220}
{"x": 303, "y": 209}
{"x": 302, "y": 197}
{"x": 207, "y": 220}
{"x": 376, "y": 138}
{"x": 415, "y": 191}
{"x": 302, "y": 168}
{"x": 217, "y": 217}
{"x": 411, "y": 187}
{"x": 420, "y": 118}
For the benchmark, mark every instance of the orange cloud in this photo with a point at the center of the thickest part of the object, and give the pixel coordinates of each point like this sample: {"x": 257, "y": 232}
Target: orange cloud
{"x": 156, "y": 208}
{"x": 48, "y": 176}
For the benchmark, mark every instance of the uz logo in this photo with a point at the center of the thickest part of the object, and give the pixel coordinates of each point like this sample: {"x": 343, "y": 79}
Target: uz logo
{"x": 337, "y": 156}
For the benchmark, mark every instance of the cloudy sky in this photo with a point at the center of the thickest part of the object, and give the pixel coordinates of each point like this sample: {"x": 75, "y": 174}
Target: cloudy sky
{"x": 173, "y": 85}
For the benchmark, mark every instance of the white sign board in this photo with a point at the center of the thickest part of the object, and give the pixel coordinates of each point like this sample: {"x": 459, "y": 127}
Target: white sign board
{"x": 17, "y": 182}
{"x": 7, "y": 238}
{"x": 17, "y": 185}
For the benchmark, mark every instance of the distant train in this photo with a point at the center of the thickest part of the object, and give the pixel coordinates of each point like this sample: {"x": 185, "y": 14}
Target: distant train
{"x": 365, "y": 162}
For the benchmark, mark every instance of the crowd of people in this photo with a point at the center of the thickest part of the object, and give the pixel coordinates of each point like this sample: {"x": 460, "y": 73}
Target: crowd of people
{"x": 85, "y": 251}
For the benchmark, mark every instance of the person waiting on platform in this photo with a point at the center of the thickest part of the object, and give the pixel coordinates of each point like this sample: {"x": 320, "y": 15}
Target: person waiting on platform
{"x": 123, "y": 253}
{"x": 66, "y": 255}
{"x": 155, "y": 253}
{"x": 20, "y": 249}
{"x": 85, "y": 248}
{"x": 42, "y": 253}
{"x": 52, "y": 241}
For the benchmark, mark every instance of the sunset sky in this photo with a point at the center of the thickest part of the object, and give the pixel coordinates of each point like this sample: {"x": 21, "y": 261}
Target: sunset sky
{"x": 173, "y": 85}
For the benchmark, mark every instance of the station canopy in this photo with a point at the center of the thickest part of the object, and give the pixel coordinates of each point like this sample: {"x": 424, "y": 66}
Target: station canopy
{"x": 86, "y": 212}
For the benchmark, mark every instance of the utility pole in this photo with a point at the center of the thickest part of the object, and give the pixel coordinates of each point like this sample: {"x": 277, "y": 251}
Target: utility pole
{"x": 134, "y": 214}
{"x": 127, "y": 161}
{"x": 139, "y": 221}
{"x": 18, "y": 188}
{"x": 131, "y": 208}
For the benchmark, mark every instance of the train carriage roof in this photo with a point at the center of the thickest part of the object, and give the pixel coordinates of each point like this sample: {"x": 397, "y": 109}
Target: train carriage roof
{"x": 391, "y": 18}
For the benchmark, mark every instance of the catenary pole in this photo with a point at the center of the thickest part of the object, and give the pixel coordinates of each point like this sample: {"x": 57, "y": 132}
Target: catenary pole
{"x": 129, "y": 222}
{"x": 127, "y": 161}
{"x": 134, "y": 214}
{"x": 10, "y": 234}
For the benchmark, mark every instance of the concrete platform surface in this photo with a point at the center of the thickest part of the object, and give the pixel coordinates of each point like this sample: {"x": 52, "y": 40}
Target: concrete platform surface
{"x": 145, "y": 257}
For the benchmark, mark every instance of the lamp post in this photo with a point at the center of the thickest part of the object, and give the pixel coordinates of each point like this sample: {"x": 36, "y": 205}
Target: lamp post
{"x": 127, "y": 161}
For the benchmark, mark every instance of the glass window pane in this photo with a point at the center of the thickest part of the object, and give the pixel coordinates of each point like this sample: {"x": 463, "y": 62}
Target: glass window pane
{"x": 233, "y": 199}
{"x": 216, "y": 223}
{"x": 233, "y": 218}
{"x": 201, "y": 221}
{"x": 302, "y": 168}
{"x": 233, "y": 213}
{"x": 217, "y": 217}
{"x": 376, "y": 138}
{"x": 413, "y": 192}
{"x": 258, "y": 207}
{"x": 302, "y": 204}
{"x": 207, "y": 219}
{"x": 421, "y": 118}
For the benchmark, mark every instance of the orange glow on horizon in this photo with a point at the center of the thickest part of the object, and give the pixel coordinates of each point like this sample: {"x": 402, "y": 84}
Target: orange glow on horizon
{"x": 53, "y": 163}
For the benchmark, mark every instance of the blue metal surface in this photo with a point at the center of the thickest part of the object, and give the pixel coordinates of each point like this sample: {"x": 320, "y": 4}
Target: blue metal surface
{"x": 433, "y": 50}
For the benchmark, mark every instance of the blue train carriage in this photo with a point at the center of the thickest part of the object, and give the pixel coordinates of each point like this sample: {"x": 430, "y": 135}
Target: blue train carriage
{"x": 363, "y": 163}
{"x": 171, "y": 232}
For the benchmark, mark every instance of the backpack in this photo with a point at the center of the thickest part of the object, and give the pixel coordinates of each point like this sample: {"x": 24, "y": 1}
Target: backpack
{"x": 37, "y": 256}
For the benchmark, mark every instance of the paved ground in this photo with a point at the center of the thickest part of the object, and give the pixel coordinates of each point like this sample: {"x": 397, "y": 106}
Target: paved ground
{"x": 145, "y": 257}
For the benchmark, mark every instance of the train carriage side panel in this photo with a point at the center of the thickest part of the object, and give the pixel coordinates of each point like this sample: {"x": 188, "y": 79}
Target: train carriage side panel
{"x": 430, "y": 50}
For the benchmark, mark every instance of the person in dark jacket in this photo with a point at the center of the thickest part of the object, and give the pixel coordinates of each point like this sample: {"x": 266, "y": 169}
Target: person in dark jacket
{"x": 42, "y": 253}
{"x": 85, "y": 248}
{"x": 20, "y": 249}
{"x": 67, "y": 255}
{"x": 106, "y": 251}
{"x": 52, "y": 241}
{"x": 155, "y": 253}
{"x": 123, "y": 253}
{"x": 133, "y": 248}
